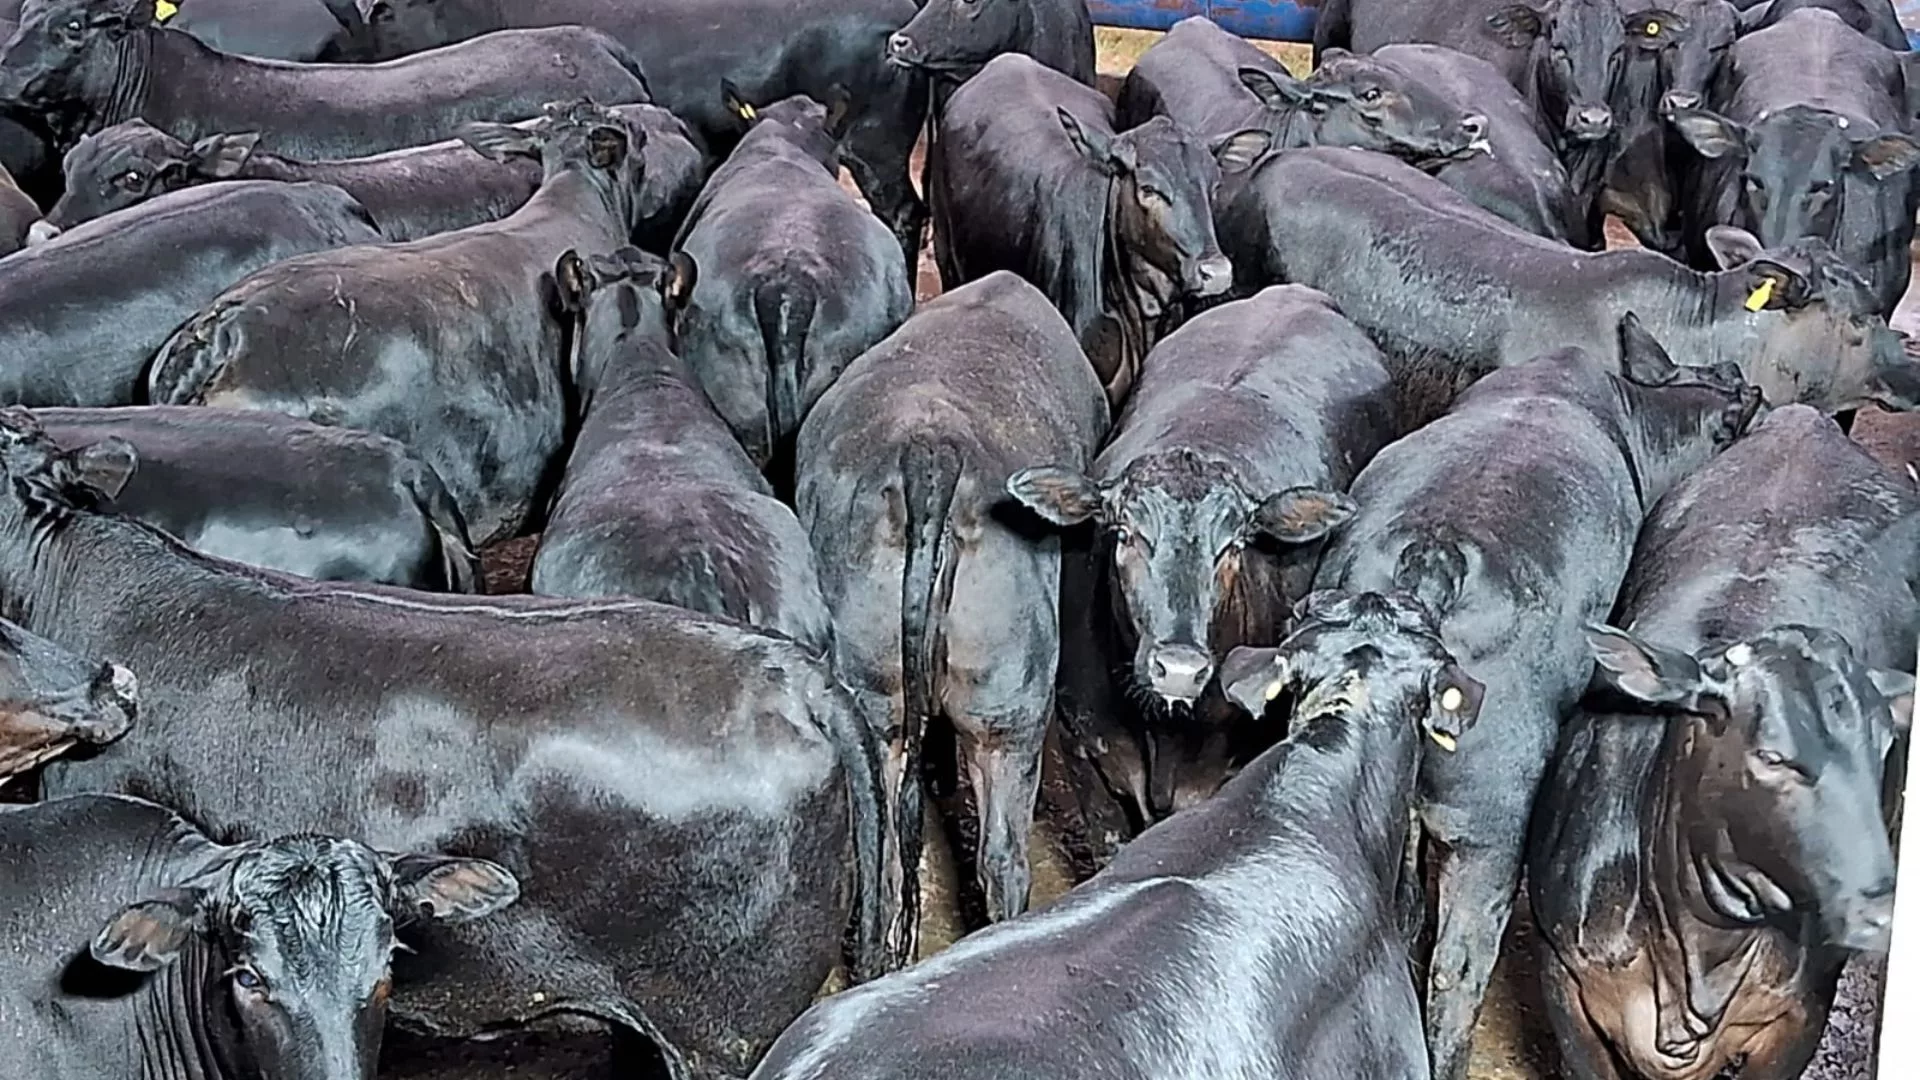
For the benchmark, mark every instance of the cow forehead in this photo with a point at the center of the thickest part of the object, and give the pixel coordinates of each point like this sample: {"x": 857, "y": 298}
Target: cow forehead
{"x": 309, "y": 908}
{"x": 1818, "y": 701}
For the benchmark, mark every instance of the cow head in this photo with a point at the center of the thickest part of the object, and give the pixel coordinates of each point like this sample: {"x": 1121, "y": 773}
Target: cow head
{"x": 799, "y": 120}
{"x": 628, "y": 295}
{"x": 957, "y": 37}
{"x": 71, "y": 56}
{"x": 384, "y": 29}
{"x": 1180, "y": 524}
{"x": 1778, "y": 757}
{"x": 1372, "y": 659}
{"x": 576, "y": 136}
{"x": 1794, "y": 164}
{"x": 1354, "y": 101}
{"x": 291, "y": 941}
{"x": 1806, "y": 325}
{"x": 1682, "y": 415}
{"x": 132, "y": 162}
{"x": 1578, "y": 48}
{"x": 52, "y": 701}
{"x": 1163, "y": 182}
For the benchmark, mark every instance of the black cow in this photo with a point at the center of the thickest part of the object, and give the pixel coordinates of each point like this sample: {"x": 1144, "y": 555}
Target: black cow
{"x": 1512, "y": 518}
{"x": 1249, "y": 936}
{"x": 796, "y": 277}
{"x": 1710, "y": 844}
{"x": 1877, "y": 19}
{"x": 1212, "y": 83}
{"x": 659, "y": 500}
{"x": 453, "y": 344}
{"x": 323, "y": 502}
{"x": 954, "y": 39}
{"x": 1227, "y": 468}
{"x": 298, "y": 30}
{"x": 52, "y": 701}
{"x": 18, "y": 215}
{"x": 1026, "y": 174}
{"x": 1520, "y": 178}
{"x": 1808, "y": 137}
{"x": 1472, "y": 293}
{"x": 415, "y": 192}
{"x": 26, "y": 146}
{"x": 93, "y": 63}
{"x": 640, "y": 769}
{"x": 943, "y": 606}
{"x": 84, "y": 312}
{"x": 140, "y": 946}
{"x": 768, "y": 49}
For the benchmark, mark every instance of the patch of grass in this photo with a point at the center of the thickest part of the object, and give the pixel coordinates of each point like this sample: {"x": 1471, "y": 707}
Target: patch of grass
{"x": 1117, "y": 50}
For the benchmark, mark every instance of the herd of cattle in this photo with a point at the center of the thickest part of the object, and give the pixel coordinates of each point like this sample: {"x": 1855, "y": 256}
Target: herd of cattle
{"x": 1287, "y": 449}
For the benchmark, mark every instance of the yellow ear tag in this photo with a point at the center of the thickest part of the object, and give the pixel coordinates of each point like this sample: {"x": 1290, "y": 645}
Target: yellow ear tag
{"x": 1445, "y": 741}
{"x": 1275, "y": 688}
{"x": 1452, "y": 699}
{"x": 747, "y": 112}
{"x": 1653, "y": 29}
{"x": 1762, "y": 293}
{"x": 164, "y": 10}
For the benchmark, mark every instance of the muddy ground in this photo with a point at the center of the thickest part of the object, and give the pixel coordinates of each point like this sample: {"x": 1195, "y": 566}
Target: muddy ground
{"x": 1513, "y": 1040}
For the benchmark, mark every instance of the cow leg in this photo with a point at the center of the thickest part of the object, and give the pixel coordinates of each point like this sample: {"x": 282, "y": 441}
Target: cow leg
{"x": 1003, "y": 763}
{"x": 1477, "y": 884}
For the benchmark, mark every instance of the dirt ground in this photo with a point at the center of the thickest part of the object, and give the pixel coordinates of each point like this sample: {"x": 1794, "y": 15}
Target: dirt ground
{"x": 1513, "y": 1041}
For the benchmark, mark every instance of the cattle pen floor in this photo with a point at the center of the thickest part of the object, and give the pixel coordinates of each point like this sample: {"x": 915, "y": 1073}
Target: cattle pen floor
{"x": 1512, "y": 1043}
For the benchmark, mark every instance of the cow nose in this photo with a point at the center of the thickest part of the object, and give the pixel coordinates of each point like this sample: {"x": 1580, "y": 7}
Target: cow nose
{"x": 41, "y": 231}
{"x": 1179, "y": 672}
{"x": 900, "y": 47}
{"x": 1213, "y": 276}
{"x": 1675, "y": 100}
{"x": 114, "y": 695}
{"x": 1474, "y": 127}
{"x": 1590, "y": 122}
{"x": 1867, "y": 923}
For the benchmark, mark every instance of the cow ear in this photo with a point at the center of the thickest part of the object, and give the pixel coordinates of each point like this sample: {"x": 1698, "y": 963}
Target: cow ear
{"x": 1096, "y": 146}
{"x": 1302, "y": 514}
{"x": 1515, "y": 26}
{"x": 607, "y": 147}
{"x": 1897, "y": 688}
{"x": 1642, "y": 358}
{"x": 1710, "y": 134}
{"x": 346, "y": 13}
{"x": 1062, "y": 496}
{"x": 678, "y": 280}
{"x": 150, "y": 934}
{"x": 1644, "y": 672}
{"x": 1250, "y": 678}
{"x": 1887, "y": 155}
{"x": 574, "y": 280}
{"x": 103, "y": 468}
{"x": 219, "y": 157}
{"x": 498, "y": 142}
{"x": 1275, "y": 90}
{"x": 839, "y": 110}
{"x": 374, "y": 11}
{"x": 446, "y": 889}
{"x": 1733, "y": 246}
{"x": 1236, "y": 152}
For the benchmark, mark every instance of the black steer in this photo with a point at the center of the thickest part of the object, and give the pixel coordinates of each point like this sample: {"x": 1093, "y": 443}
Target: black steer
{"x": 1472, "y": 293}
{"x": 1027, "y": 174}
{"x": 52, "y": 701}
{"x": 1808, "y": 136}
{"x": 139, "y": 946}
{"x": 411, "y": 193}
{"x": 1512, "y": 518}
{"x": 638, "y": 768}
{"x": 93, "y": 63}
{"x": 1228, "y": 466}
{"x": 82, "y": 314}
{"x": 454, "y": 344}
{"x": 1214, "y": 943}
{"x": 945, "y": 606}
{"x": 1212, "y": 83}
{"x": 329, "y": 503}
{"x": 1710, "y": 843}
{"x": 954, "y": 39}
{"x": 796, "y": 278}
{"x": 659, "y": 501}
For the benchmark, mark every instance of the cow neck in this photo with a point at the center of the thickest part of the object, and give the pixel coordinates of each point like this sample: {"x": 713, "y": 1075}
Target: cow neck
{"x": 572, "y": 188}
{"x": 1119, "y": 299}
{"x": 1681, "y": 307}
{"x": 132, "y": 74}
{"x": 1369, "y": 759}
{"x": 1701, "y": 955}
{"x": 170, "y": 1013}
{"x": 1628, "y": 435}
{"x": 1291, "y": 136}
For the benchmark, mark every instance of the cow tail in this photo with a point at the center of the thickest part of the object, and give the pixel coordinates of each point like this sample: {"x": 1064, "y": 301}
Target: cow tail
{"x": 863, "y": 758}
{"x": 1432, "y": 570}
{"x": 930, "y": 474}
{"x": 193, "y": 357}
{"x": 459, "y": 566}
{"x": 785, "y": 314}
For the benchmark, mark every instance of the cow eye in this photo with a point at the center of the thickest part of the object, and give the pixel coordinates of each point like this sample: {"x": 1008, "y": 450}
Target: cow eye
{"x": 131, "y": 179}
{"x": 248, "y": 979}
{"x": 1819, "y": 187}
{"x": 1148, "y": 194}
{"x": 1123, "y": 535}
{"x": 1370, "y": 95}
{"x": 74, "y": 27}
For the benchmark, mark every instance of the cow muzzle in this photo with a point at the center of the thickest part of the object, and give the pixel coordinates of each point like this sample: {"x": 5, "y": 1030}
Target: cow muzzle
{"x": 1211, "y": 276}
{"x": 903, "y": 51}
{"x": 1589, "y": 123}
{"x": 115, "y": 696}
{"x": 41, "y": 231}
{"x": 1673, "y": 101}
{"x": 1179, "y": 673}
{"x": 1864, "y": 924}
